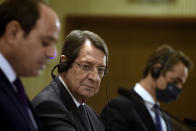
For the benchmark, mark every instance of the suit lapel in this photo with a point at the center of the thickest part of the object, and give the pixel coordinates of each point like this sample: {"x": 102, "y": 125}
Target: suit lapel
{"x": 35, "y": 115}
{"x": 142, "y": 111}
{"x": 94, "y": 120}
{"x": 91, "y": 120}
{"x": 167, "y": 121}
{"x": 11, "y": 96}
{"x": 71, "y": 106}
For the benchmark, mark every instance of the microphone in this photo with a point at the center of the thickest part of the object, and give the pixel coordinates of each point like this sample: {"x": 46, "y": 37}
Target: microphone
{"x": 175, "y": 121}
{"x": 190, "y": 122}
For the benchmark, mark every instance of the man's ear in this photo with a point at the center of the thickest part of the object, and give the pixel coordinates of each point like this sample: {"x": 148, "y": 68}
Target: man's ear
{"x": 13, "y": 31}
{"x": 64, "y": 65}
{"x": 156, "y": 71}
{"x": 157, "y": 65}
{"x": 63, "y": 58}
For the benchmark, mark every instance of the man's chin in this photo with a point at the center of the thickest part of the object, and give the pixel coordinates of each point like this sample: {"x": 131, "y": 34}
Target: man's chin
{"x": 36, "y": 73}
{"x": 88, "y": 94}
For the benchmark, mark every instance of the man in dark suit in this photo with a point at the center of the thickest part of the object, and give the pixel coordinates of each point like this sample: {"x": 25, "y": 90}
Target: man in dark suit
{"x": 138, "y": 110}
{"x": 28, "y": 32}
{"x": 61, "y": 105}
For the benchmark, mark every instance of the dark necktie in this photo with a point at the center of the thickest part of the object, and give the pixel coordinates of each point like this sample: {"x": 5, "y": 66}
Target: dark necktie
{"x": 84, "y": 116}
{"x": 20, "y": 92}
{"x": 157, "y": 118}
{"x": 23, "y": 98}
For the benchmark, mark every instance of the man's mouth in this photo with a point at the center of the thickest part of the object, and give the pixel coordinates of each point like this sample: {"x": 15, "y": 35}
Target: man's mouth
{"x": 89, "y": 86}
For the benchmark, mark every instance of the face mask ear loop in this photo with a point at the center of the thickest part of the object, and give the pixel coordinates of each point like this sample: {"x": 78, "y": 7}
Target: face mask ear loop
{"x": 156, "y": 87}
{"x": 165, "y": 80}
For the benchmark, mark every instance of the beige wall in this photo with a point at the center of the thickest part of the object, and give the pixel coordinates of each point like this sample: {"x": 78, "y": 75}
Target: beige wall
{"x": 105, "y": 7}
{"x": 185, "y": 8}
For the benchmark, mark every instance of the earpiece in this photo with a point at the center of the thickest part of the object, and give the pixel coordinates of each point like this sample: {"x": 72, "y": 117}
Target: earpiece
{"x": 155, "y": 72}
{"x": 62, "y": 67}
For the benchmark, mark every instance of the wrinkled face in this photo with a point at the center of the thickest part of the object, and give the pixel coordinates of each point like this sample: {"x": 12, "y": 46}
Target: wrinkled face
{"x": 84, "y": 77}
{"x": 177, "y": 76}
{"x": 33, "y": 51}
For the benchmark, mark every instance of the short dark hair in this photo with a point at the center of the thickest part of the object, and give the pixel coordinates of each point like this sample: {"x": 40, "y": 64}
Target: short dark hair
{"x": 167, "y": 57}
{"x": 74, "y": 42}
{"x": 26, "y": 12}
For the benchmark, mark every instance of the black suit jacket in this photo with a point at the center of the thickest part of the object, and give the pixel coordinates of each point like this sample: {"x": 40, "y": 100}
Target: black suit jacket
{"x": 129, "y": 114}
{"x": 13, "y": 115}
{"x": 58, "y": 111}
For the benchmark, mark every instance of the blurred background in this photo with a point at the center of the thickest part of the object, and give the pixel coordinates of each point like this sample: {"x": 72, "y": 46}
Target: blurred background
{"x": 132, "y": 29}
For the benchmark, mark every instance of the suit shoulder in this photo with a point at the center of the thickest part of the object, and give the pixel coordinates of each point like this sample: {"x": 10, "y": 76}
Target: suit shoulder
{"x": 50, "y": 94}
{"x": 121, "y": 100}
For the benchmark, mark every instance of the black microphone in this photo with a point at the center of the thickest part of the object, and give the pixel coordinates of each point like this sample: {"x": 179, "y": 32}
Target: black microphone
{"x": 190, "y": 122}
{"x": 175, "y": 121}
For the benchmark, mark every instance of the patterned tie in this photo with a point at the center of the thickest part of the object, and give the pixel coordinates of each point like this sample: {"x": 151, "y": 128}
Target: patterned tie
{"x": 84, "y": 116}
{"x": 20, "y": 92}
{"x": 157, "y": 118}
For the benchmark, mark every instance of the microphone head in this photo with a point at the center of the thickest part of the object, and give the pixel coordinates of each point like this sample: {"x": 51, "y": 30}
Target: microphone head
{"x": 190, "y": 122}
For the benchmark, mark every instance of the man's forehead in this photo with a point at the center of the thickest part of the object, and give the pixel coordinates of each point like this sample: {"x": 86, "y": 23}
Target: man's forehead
{"x": 93, "y": 55}
{"x": 179, "y": 70}
{"x": 179, "y": 67}
{"x": 48, "y": 13}
{"x": 48, "y": 23}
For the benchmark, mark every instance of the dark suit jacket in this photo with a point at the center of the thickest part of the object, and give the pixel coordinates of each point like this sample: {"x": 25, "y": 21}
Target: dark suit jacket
{"x": 58, "y": 111}
{"x": 13, "y": 115}
{"x": 129, "y": 114}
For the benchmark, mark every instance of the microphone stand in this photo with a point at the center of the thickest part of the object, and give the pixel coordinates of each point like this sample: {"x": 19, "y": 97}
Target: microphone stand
{"x": 178, "y": 123}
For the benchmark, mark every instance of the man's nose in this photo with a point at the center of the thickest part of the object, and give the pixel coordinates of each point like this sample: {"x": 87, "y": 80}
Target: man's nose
{"x": 51, "y": 52}
{"x": 93, "y": 75}
{"x": 179, "y": 86}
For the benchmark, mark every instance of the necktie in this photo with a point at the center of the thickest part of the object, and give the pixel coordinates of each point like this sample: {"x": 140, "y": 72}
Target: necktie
{"x": 157, "y": 118}
{"x": 84, "y": 115}
{"x": 20, "y": 92}
{"x": 23, "y": 98}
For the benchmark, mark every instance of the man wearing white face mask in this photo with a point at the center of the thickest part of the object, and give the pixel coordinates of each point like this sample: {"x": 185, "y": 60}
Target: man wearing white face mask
{"x": 163, "y": 76}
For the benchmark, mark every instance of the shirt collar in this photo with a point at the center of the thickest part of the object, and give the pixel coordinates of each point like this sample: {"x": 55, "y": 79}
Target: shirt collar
{"x": 7, "y": 69}
{"x": 74, "y": 99}
{"x": 145, "y": 95}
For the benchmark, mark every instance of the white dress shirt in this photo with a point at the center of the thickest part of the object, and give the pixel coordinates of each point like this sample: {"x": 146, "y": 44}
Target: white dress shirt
{"x": 11, "y": 76}
{"x": 7, "y": 69}
{"x": 149, "y": 102}
{"x": 74, "y": 99}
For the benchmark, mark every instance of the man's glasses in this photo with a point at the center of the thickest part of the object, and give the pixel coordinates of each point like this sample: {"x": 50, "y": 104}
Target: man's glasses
{"x": 89, "y": 68}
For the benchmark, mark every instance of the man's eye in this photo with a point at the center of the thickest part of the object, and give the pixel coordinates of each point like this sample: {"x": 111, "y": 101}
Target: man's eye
{"x": 101, "y": 70}
{"x": 85, "y": 67}
{"x": 44, "y": 43}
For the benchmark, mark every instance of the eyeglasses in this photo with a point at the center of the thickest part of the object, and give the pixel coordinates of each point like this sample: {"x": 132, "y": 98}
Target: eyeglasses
{"x": 89, "y": 67}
